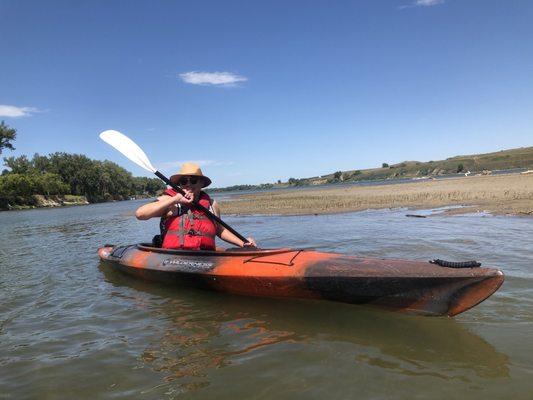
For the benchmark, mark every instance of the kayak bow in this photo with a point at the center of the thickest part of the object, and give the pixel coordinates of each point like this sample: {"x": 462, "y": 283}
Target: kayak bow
{"x": 409, "y": 286}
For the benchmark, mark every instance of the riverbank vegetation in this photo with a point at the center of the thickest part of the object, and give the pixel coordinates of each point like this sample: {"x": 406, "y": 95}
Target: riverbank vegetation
{"x": 7, "y": 135}
{"x": 64, "y": 178}
{"x": 62, "y": 174}
{"x": 501, "y": 194}
{"x": 483, "y": 164}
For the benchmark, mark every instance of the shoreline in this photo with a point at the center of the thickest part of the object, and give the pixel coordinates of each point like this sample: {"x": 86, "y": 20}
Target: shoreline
{"x": 500, "y": 194}
{"x": 510, "y": 194}
{"x": 49, "y": 201}
{"x": 59, "y": 201}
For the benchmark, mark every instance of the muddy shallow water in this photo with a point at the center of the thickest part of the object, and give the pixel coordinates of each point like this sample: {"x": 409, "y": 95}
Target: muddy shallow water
{"x": 70, "y": 328}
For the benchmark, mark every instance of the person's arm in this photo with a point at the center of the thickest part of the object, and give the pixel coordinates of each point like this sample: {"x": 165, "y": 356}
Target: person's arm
{"x": 160, "y": 207}
{"x": 227, "y": 235}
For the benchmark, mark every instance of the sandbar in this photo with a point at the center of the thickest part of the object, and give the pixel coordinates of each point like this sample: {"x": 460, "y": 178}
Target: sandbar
{"x": 507, "y": 194}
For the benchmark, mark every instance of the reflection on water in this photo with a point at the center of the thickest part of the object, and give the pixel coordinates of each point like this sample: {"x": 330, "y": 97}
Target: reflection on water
{"x": 71, "y": 328}
{"x": 218, "y": 330}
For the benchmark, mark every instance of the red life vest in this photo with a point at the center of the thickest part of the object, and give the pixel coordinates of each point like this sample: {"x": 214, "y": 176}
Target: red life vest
{"x": 191, "y": 228}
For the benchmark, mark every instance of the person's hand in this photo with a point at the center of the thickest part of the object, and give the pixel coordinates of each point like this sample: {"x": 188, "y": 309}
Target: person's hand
{"x": 250, "y": 243}
{"x": 183, "y": 199}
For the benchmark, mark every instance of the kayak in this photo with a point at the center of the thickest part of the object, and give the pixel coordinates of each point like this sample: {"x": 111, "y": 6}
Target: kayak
{"x": 409, "y": 286}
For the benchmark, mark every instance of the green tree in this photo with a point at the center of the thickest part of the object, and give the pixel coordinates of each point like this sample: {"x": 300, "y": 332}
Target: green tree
{"x": 48, "y": 184}
{"x": 76, "y": 170}
{"x": 154, "y": 185}
{"x": 147, "y": 186}
{"x": 384, "y": 165}
{"x": 13, "y": 185}
{"x": 7, "y": 135}
{"x": 18, "y": 165}
{"x": 64, "y": 173}
{"x": 40, "y": 163}
{"x": 460, "y": 168}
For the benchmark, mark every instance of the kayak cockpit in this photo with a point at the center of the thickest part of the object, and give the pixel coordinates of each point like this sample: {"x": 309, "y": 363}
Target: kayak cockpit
{"x": 220, "y": 252}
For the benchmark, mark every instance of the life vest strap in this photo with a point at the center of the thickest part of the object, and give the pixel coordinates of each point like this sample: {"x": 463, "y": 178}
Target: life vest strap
{"x": 198, "y": 216}
{"x": 191, "y": 215}
{"x": 191, "y": 232}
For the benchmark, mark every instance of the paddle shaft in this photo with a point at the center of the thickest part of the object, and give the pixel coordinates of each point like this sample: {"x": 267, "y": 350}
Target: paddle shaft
{"x": 200, "y": 207}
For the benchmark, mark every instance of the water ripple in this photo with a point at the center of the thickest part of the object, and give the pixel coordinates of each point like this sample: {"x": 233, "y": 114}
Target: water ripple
{"x": 70, "y": 328}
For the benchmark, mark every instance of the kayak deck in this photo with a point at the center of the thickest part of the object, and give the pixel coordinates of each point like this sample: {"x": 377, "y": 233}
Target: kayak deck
{"x": 410, "y": 286}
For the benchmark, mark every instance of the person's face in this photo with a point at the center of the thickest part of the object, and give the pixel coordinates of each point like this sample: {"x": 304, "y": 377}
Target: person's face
{"x": 191, "y": 184}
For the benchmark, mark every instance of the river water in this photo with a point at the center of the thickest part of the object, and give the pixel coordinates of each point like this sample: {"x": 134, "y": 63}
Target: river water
{"x": 70, "y": 328}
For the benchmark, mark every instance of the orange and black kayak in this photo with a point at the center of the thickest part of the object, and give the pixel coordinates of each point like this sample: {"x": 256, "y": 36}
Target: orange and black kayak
{"x": 410, "y": 286}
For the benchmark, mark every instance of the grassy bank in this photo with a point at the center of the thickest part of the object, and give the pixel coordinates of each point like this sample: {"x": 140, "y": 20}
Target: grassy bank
{"x": 474, "y": 164}
{"x": 40, "y": 201}
{"x": 503, "y": 194}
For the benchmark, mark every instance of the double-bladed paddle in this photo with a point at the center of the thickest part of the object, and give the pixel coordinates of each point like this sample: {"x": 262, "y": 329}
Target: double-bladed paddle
{"x": 131, "y": 150}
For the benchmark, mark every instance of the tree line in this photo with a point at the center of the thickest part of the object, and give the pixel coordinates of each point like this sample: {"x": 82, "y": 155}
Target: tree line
{"x": 65, "y": 173}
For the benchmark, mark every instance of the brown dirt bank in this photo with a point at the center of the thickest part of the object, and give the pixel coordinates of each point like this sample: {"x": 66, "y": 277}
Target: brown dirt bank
{"x": 44, "y": 201}
{"x": 502, "y": 194}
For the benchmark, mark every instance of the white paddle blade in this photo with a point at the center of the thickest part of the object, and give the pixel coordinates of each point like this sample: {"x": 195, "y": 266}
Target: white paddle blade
{"x": 127, "y": 147}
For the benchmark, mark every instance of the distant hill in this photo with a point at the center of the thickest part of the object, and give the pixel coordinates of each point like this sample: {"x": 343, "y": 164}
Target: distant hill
{"x": 475, "y": 163}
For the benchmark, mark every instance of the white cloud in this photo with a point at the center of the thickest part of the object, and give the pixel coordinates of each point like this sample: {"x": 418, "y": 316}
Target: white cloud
{"x": 173, "y": 166}
{"x": 15, "y": 112}
{"x": 427, "y": 3}
{"x": 212, "y": 78}
{"x": 422, "y": 3}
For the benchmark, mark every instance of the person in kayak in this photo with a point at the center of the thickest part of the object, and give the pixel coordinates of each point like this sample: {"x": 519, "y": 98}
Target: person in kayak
{"x": 182, "y": 225}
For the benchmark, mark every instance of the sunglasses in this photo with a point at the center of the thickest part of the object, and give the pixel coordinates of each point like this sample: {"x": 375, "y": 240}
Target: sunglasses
{"x": 186, "y": 180}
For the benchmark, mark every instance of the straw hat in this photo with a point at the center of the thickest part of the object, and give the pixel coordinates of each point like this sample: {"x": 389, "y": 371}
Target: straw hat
{"x": 190, "y": 169}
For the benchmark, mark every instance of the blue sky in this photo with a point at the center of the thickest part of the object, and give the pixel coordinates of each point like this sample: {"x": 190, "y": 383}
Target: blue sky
{"x": 261, "y": 91}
